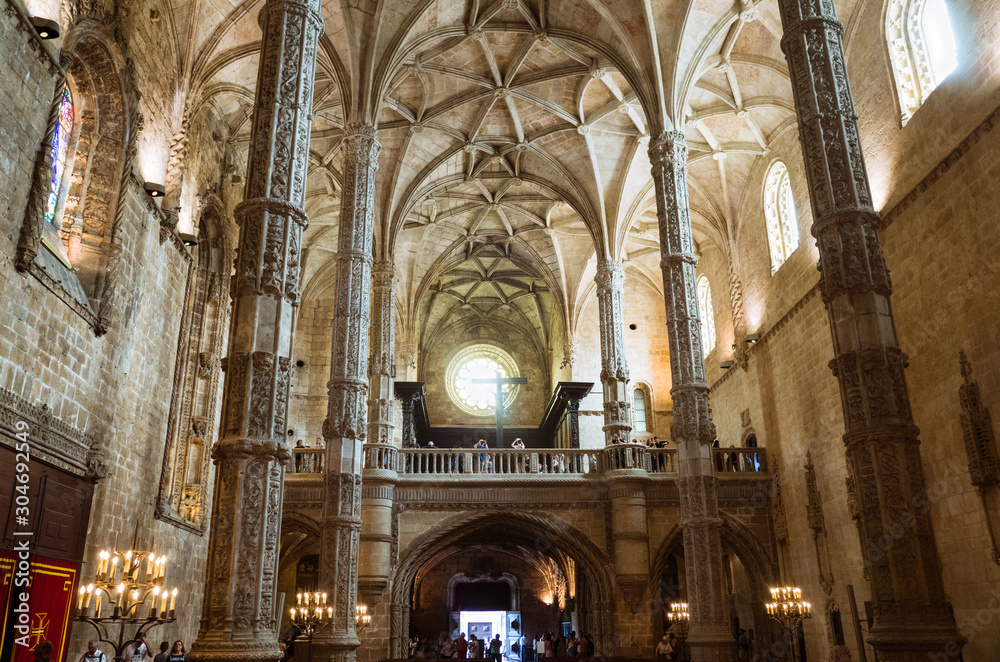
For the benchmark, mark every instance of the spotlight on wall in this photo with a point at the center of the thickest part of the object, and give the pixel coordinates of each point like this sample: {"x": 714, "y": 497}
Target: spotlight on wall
{"x": 189, "y": 239}
{"x": 154, "y": 190}
{"x": 46, "y": 28}
{"x": 726, "y": 365}
{"x": 752, "y": 338}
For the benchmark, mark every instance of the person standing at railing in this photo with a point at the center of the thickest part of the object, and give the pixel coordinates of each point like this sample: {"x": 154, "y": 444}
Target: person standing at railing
{"x": 519, "y": 445}
{"x": 483, "y": 465}
{"x": 298, "y": 456}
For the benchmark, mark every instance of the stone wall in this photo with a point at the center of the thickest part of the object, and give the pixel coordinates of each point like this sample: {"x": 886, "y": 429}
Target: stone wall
{"x": 933, "y": 179}
{"x": 113, "y": 387}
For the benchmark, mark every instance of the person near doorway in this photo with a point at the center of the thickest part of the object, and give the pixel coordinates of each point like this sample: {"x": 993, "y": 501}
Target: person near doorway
{"x": 664, "y": 648}
{"x": 461, "y": 647}
{"x": 95, "y": 654}
{"x": 540, "y": 648}
{"x": 495, "y": 647}
{"x": 447, "y": 648}
{"x": 164, "y": 654}
{"x": 571, "y": 644}
{"x": 743, "y": 646}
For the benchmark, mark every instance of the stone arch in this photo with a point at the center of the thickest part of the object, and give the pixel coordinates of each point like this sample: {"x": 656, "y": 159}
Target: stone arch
{"x": 92, "y": 211}
{"x": 543, "y": 532}
{"x": 761, "y": 570}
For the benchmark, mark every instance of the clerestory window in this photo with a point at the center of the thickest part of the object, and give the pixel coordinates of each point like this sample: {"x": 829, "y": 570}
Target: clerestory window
{"x": 707, "y": 313}
{"x": 921, "y": 48}
{"x": 779, "y": 214}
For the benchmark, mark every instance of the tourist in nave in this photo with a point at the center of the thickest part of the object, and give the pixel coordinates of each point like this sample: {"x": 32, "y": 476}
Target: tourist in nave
{"x": 95, "y": 654}
{"x": 177, "y": 652}
{"x": 461, "y": 647}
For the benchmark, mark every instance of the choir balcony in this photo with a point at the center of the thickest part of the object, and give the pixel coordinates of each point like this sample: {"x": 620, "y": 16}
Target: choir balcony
{"x": 485, "y": 475}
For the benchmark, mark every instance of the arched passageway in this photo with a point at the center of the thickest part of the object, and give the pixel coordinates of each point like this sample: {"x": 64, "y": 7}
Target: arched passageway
{"x": 553, "y": 574}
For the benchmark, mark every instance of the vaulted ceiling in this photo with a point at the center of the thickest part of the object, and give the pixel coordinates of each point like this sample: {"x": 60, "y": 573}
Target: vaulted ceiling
{"x": 514, "y": 134}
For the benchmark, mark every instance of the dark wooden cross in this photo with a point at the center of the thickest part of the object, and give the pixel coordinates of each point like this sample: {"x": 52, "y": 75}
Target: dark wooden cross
{"x": 500, "y": 382}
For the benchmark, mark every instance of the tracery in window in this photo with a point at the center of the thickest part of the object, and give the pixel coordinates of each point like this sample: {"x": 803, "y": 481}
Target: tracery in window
{"x": 779, "y": 214}
{"x": 707, "y": 314}
{"x": 922, "y": 49}
{"x": 639, "y": 410}
{"x": 60, "y": 154}
{"x": 480, "y": 362}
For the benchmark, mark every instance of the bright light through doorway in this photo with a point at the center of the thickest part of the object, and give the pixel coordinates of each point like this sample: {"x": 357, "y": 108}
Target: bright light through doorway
{"x": 477, "y": 622}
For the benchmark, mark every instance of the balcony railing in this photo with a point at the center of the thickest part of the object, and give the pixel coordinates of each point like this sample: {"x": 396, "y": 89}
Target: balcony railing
{"x": 728, "y": 462}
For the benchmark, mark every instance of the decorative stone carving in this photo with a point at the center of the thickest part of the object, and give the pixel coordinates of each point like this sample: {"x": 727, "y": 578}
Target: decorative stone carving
{"x": 238, "y": 620}
{"x": 977, "y": 431}
{"x": 382, "y": 362}
{"x": 912, "y": 620}
{"x": 610, "y": 280}
{"x": 778, "y": 520}
{"x": 692, "y": 429}
{"x": 346, "y": 421}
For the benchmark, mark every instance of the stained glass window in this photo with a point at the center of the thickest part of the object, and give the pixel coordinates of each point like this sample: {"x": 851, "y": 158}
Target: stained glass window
{"x": 779, "y": 213}
{"x": 60, "y": 153}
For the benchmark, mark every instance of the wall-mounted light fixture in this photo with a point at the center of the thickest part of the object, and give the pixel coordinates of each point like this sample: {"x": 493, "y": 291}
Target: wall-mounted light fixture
{"x": 726, "y": 365}
{"x": 45, "y": 27}
{"x": 752, "y": 338}
{"x": 154, "y": 190}
{"x": 188, "y": 239}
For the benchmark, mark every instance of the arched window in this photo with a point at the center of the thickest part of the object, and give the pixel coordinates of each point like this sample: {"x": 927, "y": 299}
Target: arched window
{"x": 921, "y": 48}
{"x": 60, "y": 156}
{"x": 779, "y": 213}
{"x": 707, "y": 315}
{"x": 639, "y": 410}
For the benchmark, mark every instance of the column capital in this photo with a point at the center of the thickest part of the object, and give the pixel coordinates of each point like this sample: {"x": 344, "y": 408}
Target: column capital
{"x": 668, "y": 146}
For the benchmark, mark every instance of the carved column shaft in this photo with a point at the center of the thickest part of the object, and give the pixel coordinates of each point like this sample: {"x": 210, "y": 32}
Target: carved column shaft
{"x": 346, "y": 421}
{"x": 912, "y": 620}
{"x": 382, "y": 365}
{"x": 610, "y": 281}
{"x": 692, "y": 429}
{"x": 238, "y": 619}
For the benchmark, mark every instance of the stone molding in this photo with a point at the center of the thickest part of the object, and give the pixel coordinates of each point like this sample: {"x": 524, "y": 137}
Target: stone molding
{"x": 52, "y": 440}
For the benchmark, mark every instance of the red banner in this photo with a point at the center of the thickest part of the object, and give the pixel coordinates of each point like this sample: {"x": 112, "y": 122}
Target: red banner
{"x": 50, "y": 586}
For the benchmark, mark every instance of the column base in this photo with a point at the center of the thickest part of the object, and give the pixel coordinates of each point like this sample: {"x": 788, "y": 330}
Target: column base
{"x": 918, "y": 641}
{"x": 234, "y": 651}
{"x": 341, "y": 648}
{"x": 711, "y": 644}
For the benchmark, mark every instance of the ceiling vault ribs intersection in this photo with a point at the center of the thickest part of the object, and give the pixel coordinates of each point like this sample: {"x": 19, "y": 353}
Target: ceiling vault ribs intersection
{"x": 513, "y": 132}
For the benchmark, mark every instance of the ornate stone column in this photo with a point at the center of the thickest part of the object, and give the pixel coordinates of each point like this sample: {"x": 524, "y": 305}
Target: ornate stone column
{"x": 883, "y": 450}
{"x": 238, "y": 619}
{"x": 382, "y": 362}
{"x": 610, "y": 281}
{"x": 346, "y": 419}
{"x": 692, "y": 429}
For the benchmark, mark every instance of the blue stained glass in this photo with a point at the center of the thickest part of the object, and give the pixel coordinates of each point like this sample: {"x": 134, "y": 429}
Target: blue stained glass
{"x": 60, "y": 152}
